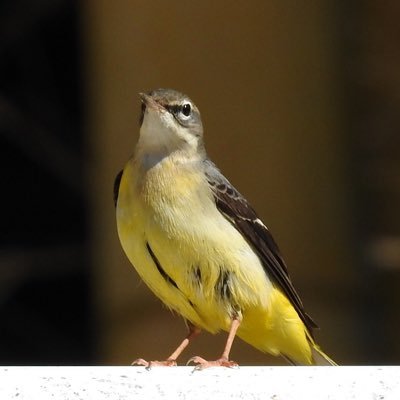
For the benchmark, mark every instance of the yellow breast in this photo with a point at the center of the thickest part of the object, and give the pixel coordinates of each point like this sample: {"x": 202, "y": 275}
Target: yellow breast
{"x": 195, "y": 260}
{"x": 172, "y": 209}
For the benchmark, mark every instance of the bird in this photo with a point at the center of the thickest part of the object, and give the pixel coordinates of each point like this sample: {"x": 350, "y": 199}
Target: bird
{"x": 200, "y": 246}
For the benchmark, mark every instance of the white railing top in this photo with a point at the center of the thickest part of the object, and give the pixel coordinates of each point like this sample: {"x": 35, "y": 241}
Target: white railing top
{"x": 266, "y": 383}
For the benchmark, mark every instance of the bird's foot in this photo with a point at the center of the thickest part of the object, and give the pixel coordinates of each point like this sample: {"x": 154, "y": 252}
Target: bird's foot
{"x": 150, "y": 364}
{"x": 201, "y": 363}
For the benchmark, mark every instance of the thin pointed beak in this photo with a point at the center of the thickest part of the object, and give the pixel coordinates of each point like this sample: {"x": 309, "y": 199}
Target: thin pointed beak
{"x": 144, "y": 98}
{"x": 148, "y": 101}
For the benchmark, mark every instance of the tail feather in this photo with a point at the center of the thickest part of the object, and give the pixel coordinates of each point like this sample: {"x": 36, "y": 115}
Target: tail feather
{"x": 319, "y": 357}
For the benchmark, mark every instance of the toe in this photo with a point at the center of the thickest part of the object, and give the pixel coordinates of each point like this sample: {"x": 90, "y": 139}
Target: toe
{"x": 141, "y": 362}
{"x": 196, "y": 360}
{"x": 165, "y": 363}
{"x": 201, "y": 363}
{"x": 155, "y": 363}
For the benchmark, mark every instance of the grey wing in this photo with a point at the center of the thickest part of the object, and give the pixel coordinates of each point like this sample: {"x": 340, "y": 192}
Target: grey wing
{"x": 243, "y": 217}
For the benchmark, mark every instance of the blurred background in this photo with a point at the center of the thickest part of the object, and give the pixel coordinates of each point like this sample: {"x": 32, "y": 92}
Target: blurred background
{"x": 300, "y": 103}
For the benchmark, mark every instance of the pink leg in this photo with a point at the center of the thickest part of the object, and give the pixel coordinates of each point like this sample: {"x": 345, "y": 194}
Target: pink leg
{"x": 171, "y": 360}
{"x": 223, "y": 361}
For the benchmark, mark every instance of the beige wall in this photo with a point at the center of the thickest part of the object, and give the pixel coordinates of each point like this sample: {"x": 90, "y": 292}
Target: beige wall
{"x": 263, "y": 75}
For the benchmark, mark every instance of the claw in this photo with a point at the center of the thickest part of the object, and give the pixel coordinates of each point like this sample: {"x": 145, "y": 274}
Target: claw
{"x": 149, "y": 364}
{"x": 140, "y": 361}
{"x": 203, "y": 364}
{"x": 195, "y": 360}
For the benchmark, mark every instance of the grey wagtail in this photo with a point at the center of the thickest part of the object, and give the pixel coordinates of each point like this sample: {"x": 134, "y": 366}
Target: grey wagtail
{"x": 200, "y": 246}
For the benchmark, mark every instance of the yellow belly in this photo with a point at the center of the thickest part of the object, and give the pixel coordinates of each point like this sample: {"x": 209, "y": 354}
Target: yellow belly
{"x": 172, "y": 212}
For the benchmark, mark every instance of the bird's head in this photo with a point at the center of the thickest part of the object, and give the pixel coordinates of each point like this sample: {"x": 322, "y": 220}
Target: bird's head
{"x": 170, "y": 122}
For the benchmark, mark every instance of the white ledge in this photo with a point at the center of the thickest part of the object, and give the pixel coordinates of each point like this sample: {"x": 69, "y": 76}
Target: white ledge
{"x": 275, "y": 383}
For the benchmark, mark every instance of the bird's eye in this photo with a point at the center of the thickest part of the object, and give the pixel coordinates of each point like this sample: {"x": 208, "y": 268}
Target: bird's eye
{"x": 186, "y": 110}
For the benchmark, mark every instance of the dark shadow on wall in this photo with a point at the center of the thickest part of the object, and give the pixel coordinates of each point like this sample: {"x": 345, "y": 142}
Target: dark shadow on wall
{"x": 44, "y": 271}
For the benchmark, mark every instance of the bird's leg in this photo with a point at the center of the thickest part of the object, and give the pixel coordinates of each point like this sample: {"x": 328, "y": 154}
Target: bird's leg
{"x": 223, "y": 361}
{"x": 171, "y": 360}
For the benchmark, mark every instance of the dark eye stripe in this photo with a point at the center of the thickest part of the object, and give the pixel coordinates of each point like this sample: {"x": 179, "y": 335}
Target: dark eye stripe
{"x": 173, "y": 109}
{"x": 180, "y": 117}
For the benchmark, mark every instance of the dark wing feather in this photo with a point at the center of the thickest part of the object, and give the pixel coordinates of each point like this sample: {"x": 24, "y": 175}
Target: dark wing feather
{"x": 237, "y": 210}
{"x": 117, "y": 181}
